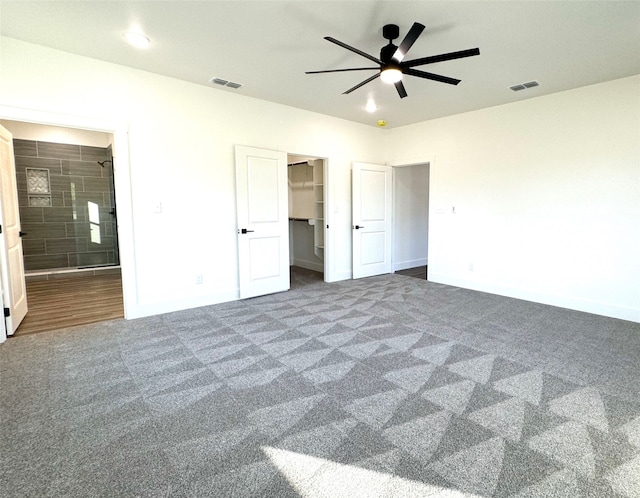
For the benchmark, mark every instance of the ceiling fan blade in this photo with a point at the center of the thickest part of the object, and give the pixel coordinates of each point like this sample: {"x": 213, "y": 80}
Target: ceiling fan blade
{"x": 400, "y": 87}
{"x": 442, "y": 57}
{"x": 362, "y": 84}
{"x": 408, "y": 41}
{"x": 343, "y": 70}
{"x": 431, "y": 76}
{"x": 353, "y": 49}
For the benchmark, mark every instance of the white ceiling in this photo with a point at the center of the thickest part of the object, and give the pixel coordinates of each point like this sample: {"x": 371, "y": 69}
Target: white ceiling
{"x": 268, "y": 45}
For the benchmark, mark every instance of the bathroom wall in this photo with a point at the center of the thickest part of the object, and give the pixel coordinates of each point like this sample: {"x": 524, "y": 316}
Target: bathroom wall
{"x": 72, "y": 225}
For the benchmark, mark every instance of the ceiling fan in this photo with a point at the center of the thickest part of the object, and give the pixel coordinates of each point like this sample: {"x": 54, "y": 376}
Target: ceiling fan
{"x": 391, "y": 64}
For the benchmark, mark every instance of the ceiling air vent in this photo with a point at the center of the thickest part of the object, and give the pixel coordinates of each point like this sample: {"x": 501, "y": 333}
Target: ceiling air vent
{"x": 524, "y": 86}
{"x": 221, "y": 82}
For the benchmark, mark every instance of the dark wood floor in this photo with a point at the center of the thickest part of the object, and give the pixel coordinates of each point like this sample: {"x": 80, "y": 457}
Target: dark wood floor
{"x": 78, "y": 300}
{"x": 418, "y": 272}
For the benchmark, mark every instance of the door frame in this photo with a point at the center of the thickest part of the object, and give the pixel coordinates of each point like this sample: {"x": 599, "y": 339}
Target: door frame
{"x": 430, "y": 162}
{"x": 3, "y": 325}
{"x": 13, "y": 279}
{"x": 325, "y": 206}
{"x": 396, "y": 218}
{"x": 122, "y": 183}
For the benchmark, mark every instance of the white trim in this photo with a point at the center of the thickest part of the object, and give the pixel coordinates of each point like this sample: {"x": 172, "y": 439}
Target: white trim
{"x": 413, "y": 263}
{"x": 122, "y": 185}
{"x": 430, "y": 160}
{"x": 557, "y": 300}
{"x": 328, "y": 249}
{"x": 309, "y": 265}
{"x": 341, "y": 275}
{"x": 3, "y": 325}
{"x": 143, "y": 310}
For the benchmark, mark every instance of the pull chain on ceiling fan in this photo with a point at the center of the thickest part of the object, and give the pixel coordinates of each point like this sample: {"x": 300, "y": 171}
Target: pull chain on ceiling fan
{"x": 391, "y": 64}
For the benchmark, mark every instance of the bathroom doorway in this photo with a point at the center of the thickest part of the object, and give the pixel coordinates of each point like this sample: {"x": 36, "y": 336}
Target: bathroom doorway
{"x": 67, "y": 207}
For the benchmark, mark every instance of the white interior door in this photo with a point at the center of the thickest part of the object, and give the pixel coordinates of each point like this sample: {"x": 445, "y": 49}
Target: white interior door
{"x": 14, "y": 289}
{"x": 372, "y": 207}
{"x": 263, "y": 221}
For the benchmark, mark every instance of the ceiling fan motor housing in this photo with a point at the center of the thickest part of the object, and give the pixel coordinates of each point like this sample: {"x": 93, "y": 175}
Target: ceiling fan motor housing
{"x": 387, "y": 52}
{"x": 390, "y": 31}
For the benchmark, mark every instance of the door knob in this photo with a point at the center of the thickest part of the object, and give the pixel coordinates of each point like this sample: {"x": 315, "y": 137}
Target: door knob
{"x": 244, "y": 230}
{"x": 358, "y": 227}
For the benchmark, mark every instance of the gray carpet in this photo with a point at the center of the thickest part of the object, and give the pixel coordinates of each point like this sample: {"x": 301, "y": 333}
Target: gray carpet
{"x": 385, "y": 386}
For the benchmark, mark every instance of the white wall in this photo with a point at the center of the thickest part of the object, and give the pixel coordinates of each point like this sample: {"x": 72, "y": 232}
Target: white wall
{"x": 546, "y": 190}
{"x": 301, "y": 247}
{"x": 410, "y": 216}
{"x": 181, "y": 138}
{"x": 301, "y": 203}
{"x": 546, "y": 194}
{"x": 57, "y": 134}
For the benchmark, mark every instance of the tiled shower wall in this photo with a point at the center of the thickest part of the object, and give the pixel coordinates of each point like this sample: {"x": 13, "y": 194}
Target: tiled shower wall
{"x": 62, "y": 235}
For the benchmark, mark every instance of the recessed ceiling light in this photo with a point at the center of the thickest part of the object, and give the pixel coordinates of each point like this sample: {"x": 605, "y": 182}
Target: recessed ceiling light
{"x": 371, "y": 106}
{"x": 137, "y": 39}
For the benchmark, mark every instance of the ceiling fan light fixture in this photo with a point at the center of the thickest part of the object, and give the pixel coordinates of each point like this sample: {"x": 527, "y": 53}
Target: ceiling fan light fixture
{"x": 391, "y": 63}
{"x": 391, "y": 75}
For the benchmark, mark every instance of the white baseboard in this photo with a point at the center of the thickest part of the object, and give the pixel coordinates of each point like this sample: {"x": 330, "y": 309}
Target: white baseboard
{"x": 413, "y": 263}
{"x": 158, "y": 308}
{"x": 569, "y": 302}
{"x": 308, "y": 265}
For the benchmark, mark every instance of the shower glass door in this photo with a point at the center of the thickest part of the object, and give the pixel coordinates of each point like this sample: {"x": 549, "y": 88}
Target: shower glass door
{"x": 67, "y": 205}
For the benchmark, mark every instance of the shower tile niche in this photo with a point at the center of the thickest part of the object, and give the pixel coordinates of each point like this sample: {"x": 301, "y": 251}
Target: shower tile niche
{"x": 67, "y": 205}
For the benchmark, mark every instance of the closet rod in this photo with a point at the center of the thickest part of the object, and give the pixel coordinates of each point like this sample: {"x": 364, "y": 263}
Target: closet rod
{"x": 301, "y": 162}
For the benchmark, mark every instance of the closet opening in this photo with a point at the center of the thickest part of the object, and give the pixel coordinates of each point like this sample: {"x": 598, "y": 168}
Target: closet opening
{"x": 307, "y": 219}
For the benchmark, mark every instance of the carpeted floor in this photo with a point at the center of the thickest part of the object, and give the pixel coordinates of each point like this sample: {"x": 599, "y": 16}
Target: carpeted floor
{"x": 381, "y": 387}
